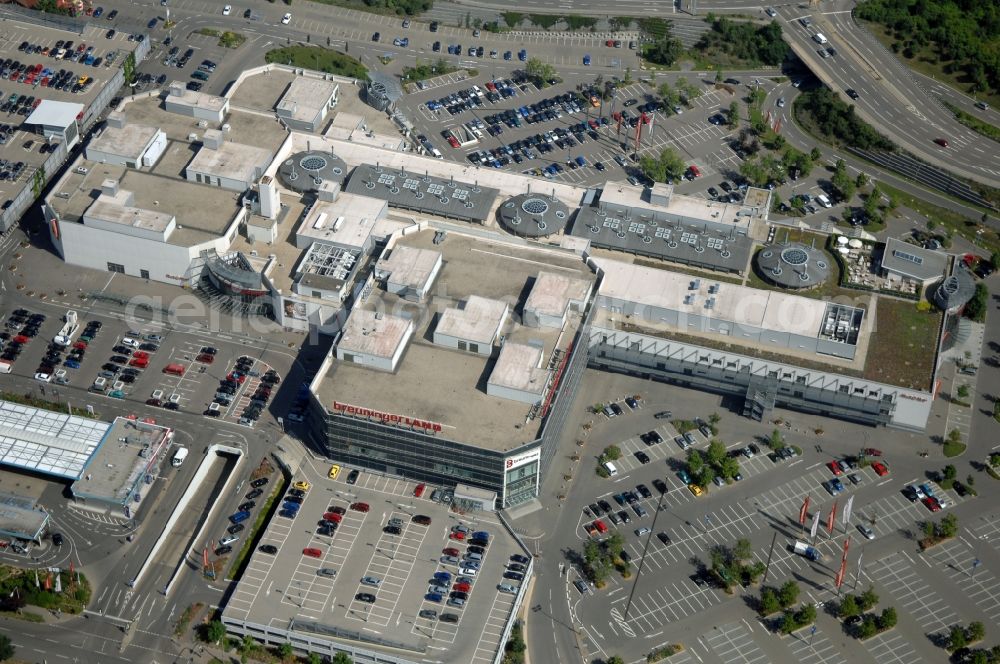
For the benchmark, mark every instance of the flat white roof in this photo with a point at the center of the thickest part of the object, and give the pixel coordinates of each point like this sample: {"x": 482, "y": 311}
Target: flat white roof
{"x": 690, "y": 207}
{"x": 306, "y": 97}
{"x": 410, "y": 266}
{"x": 517, "y": 367}
{"x": 551, "y": 293}
{"x": 358, "y": 214}
{"x": 364, "y": 334}
{"x": 194, "y": 99}
{"x": 478, "y": 321}
{"x": 128, "y": 141}
{"x": 52, "y": 113}
{"x": 233, "y": 161}
{"x": 112, "y": 210}
{"x": 46, "y": 442}
{"x": 740, "y": 305}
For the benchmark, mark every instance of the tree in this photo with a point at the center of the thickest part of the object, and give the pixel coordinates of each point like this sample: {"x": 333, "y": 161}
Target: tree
{"x": 341, "y": 658}
{"x": 669, "y": 95}
{"x": 695, "y": 462}
{"x": 815, "y": 154}
{"x": 716, "y": 452}
{"x": 861, "y": 181}
{"x": 285, "y": 650}
{"x": 888, "y": 618}
{"x": 734, "y": 114}
{"x": 541, "y": 73}
{"x": 995, "y": 260}
{"x": 954, "y": 436}
{"x": 314, "y": 658}
{"x": 842, "y": 181}
{"x": 948, "y": 526}
{"x": 668, "y": 166}
{"x": 615, "y": 545}
{"x": 729, "y": 468}
{"x": 706, "y": 476}
{"x": 807, "y": 614}
{"x": 848, "y": 607}
{"x": 612, "y": 452}
{"x": 950, "y": 472}
{"x": 6, "y": 648}
{"x": 664, "y": 51}
{"x": 775, "y": 441}
{"x": 714, "y": 419}
{"x": 788, "y": 594}
{"x": 867, "y": 628}
{"x": 769, "y": 602}
{"x": 691, "y": 91}
{"x": 872, "y": 202}
{"x": 591, "y": 552}
{"x": 976, "y": 631}
{"x": 215, "y": 632}
{"x": 956, "y": 638}
{"x": 718, "y": 75}
{"x": 868, "y": 598}
{"x": 742, "y": 550}
{"x": 615, "y": 659}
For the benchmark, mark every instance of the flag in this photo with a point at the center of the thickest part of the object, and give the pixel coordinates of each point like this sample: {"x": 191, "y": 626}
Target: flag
{"x": 48, "y": 581}
{"x": 815, "y": 526}
{"x": 37, "y": 584}
{"x": 832, "y": 518}
{"x": 71, "y": 568}
{"x": 204, "y": 558}
{"x": 843, "y": 563}
{"x": 804, "y": 511}
{"x": 847, "y": 510}
{"x": 58, "y": 583}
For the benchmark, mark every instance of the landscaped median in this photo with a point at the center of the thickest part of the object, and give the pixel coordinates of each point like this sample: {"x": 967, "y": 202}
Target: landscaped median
{"x": 265, "y": 513}
{"x": 227, "y": 39}
{"x": 64, "y": 591}
{"x": 318, "y": 59}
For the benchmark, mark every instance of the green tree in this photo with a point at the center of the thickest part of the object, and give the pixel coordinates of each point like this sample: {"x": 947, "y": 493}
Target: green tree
{"x": 6, "y": 648}
{"x": 668, "y": 166}
{"x": 729, "y": 467}
{"x": 995, "y": 260}
{"x": 695, "y": 462}
{"x": 948, "y": 526}
{"x": 868, "y": 599}
{"x": 848, "y": 607}
{"x": 215, "y": 632}
{"x": 956, "y": 638}
{"x": 950, "y": 472}
{"x": 615, "y": 545}
{"x": 664, "y": 51}
{"x": 788, "y": 594}
{"x": 963, "y": 391}
{"x": 690, "y": 90}
{"x": 775, "y": 441}
{"x": 868, "y": 627}
{"x": 742, "y": 550}
{"x": 976, "y": 631}
{"x": 718, "y": 75}
{"x": 980, "y": 656}
{"x": 768, "y": 602}
{"x": 670, "y": 96}
{"x": 716, "y": 452}
{"x": 705, "y": 476}
{"x": 341, "y": 658}
{"x": 734, "y": 114}
{"x": 248, "y": 645}
{"x": 612, "y": 452}
{"x": 872, "y": 202}
{"x": 591, "y": 552}
{"x": 842, "y": 181}
{"x": 540, "y": 72}
{"x": 815, "y": 154}
{"x": 861, "y": 181}
{"x": 314, "y": 658}
{"x": 806, "y": 614}
{"x": 888, "y": 618}
{"x": 615, "y": 659}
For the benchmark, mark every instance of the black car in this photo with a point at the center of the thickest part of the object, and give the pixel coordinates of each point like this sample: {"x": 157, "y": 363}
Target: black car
{"x": 514, "y": 576}
{"x": 365, "y": 597}
{"x": 642, "y": 457}
{"x": 448, "y": 618}
{"x": 518, "y": 558}
{"x": 392, "y": 530}
{"x": 259, "y": 482}
{"x": 352, "y": 477}
{"x": 247, "y": 506}
{"x": 235, "y": 528}
{"x": 253, "y": 495}
{"x": 293, "y": 499}
{"x": 852, "y": 93}
{"x": 376, "y": 37}
{"x": 644, "y": 491}
{"x": 479, "y": 542}
{"x": 152, "y": 348}
{"x": 129, "y": 378}
{"x": 605, "y": 505}
{"x": 476, "y": 549}
{"x": 223, "y": 550}
{"x": 57, "y": 539}
{"x": 113, "y": 368}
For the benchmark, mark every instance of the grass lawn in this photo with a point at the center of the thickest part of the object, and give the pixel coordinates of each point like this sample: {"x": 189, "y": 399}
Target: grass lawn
{"x": 900, "y": 350}
{"x": 318, "y": 59}
{"x": 954, "y": 449}
{"x": 960, "y": 224}
{"x": 928, "y": 63}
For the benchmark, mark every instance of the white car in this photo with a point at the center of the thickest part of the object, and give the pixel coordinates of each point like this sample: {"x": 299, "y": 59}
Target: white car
{"x": 285, "y": 19}
{"x": 227, "y": 10}
{"x": 43, "y": 377}
{"x": 228, "y": 539}
{"x": 130, "y": 342}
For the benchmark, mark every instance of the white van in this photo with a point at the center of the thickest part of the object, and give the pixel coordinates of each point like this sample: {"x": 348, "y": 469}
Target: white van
{"x": 820, "y": 39}
{"x": 6, "y": 367}
{"x": 610, "y": 467}
{"x": 437, "y": 153}
{"x": 824, "y": 201}
{"x": 179, "y": 456}
{"x": 99, "y": 384}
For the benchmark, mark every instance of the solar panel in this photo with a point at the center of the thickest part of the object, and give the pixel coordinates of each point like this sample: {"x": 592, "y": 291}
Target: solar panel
{"x": 460, "y": 194}
{"x": 663, "y": 232}
{"x": 435, "y": 188}
{"x": 636, "y": 227}
{"x": 902, "y": 255}
{"x": 386, "y": 178}
{"x": 410, "y": 183}
{"x": 611, "y": 223}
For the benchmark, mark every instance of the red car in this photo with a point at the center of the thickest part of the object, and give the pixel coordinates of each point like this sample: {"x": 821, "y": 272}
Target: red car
{"x": 601, "y": 528}
{"x": 871, "y": 451}
{"x": 21, "y": 339}
{"x": 312, "y": 552}
{"x": 932, "y": 504}
{"x": 462, "y": 587}
{"x": 80, "y": 345}
{"x": 333, "y": 516}
{"x": 360, "y": 507}
{"x": 834, "y": 466}
{"x": 457, "y": 536}
{"x": 419, "y": 491}
{"x": 453, "y": 142}
{"x": 450, "y": 551}
{"x": 942, "y": 142}
{"x": 610, "y": 43}
{"x": 140, "y": 355}
{"x": 880, "y": 469}
{"x": 205, "y": 358}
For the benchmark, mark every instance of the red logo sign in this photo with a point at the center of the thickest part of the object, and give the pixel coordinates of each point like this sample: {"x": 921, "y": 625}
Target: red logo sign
{"x": 386, "y": 418}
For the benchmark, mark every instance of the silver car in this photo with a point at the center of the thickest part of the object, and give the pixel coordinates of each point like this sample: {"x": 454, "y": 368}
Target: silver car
{"x": 326, "y": 571}
{"x": 371, "y": 581}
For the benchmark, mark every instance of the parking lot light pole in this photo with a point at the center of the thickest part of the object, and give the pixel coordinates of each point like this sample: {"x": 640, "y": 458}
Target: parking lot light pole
{"x": 642, "y": 558}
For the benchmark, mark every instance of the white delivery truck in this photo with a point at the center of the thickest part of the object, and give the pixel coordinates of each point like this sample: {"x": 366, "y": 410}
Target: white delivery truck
{"x": 823, "y": 200}
{"x": 820, "y": 39}
{"x": 179, "y": 456}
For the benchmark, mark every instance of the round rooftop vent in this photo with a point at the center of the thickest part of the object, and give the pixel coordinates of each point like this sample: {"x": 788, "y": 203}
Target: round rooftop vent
{"x": 313, "y": 162}
{"x": 535, "y": 206}
{"x": 794, "y": 256}
{"x": 549, "y": 214}
{"x": 793, "y": 265}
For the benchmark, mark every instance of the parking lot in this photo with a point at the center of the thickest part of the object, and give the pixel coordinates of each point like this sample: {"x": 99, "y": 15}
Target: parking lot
{"x": 378, "y": 563}
{"x": 541, "y": 131}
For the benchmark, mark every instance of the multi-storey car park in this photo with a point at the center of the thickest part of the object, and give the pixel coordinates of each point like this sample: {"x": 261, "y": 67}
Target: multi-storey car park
{"x": 56, "y": 80}
{"x": 464, "y": 304}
